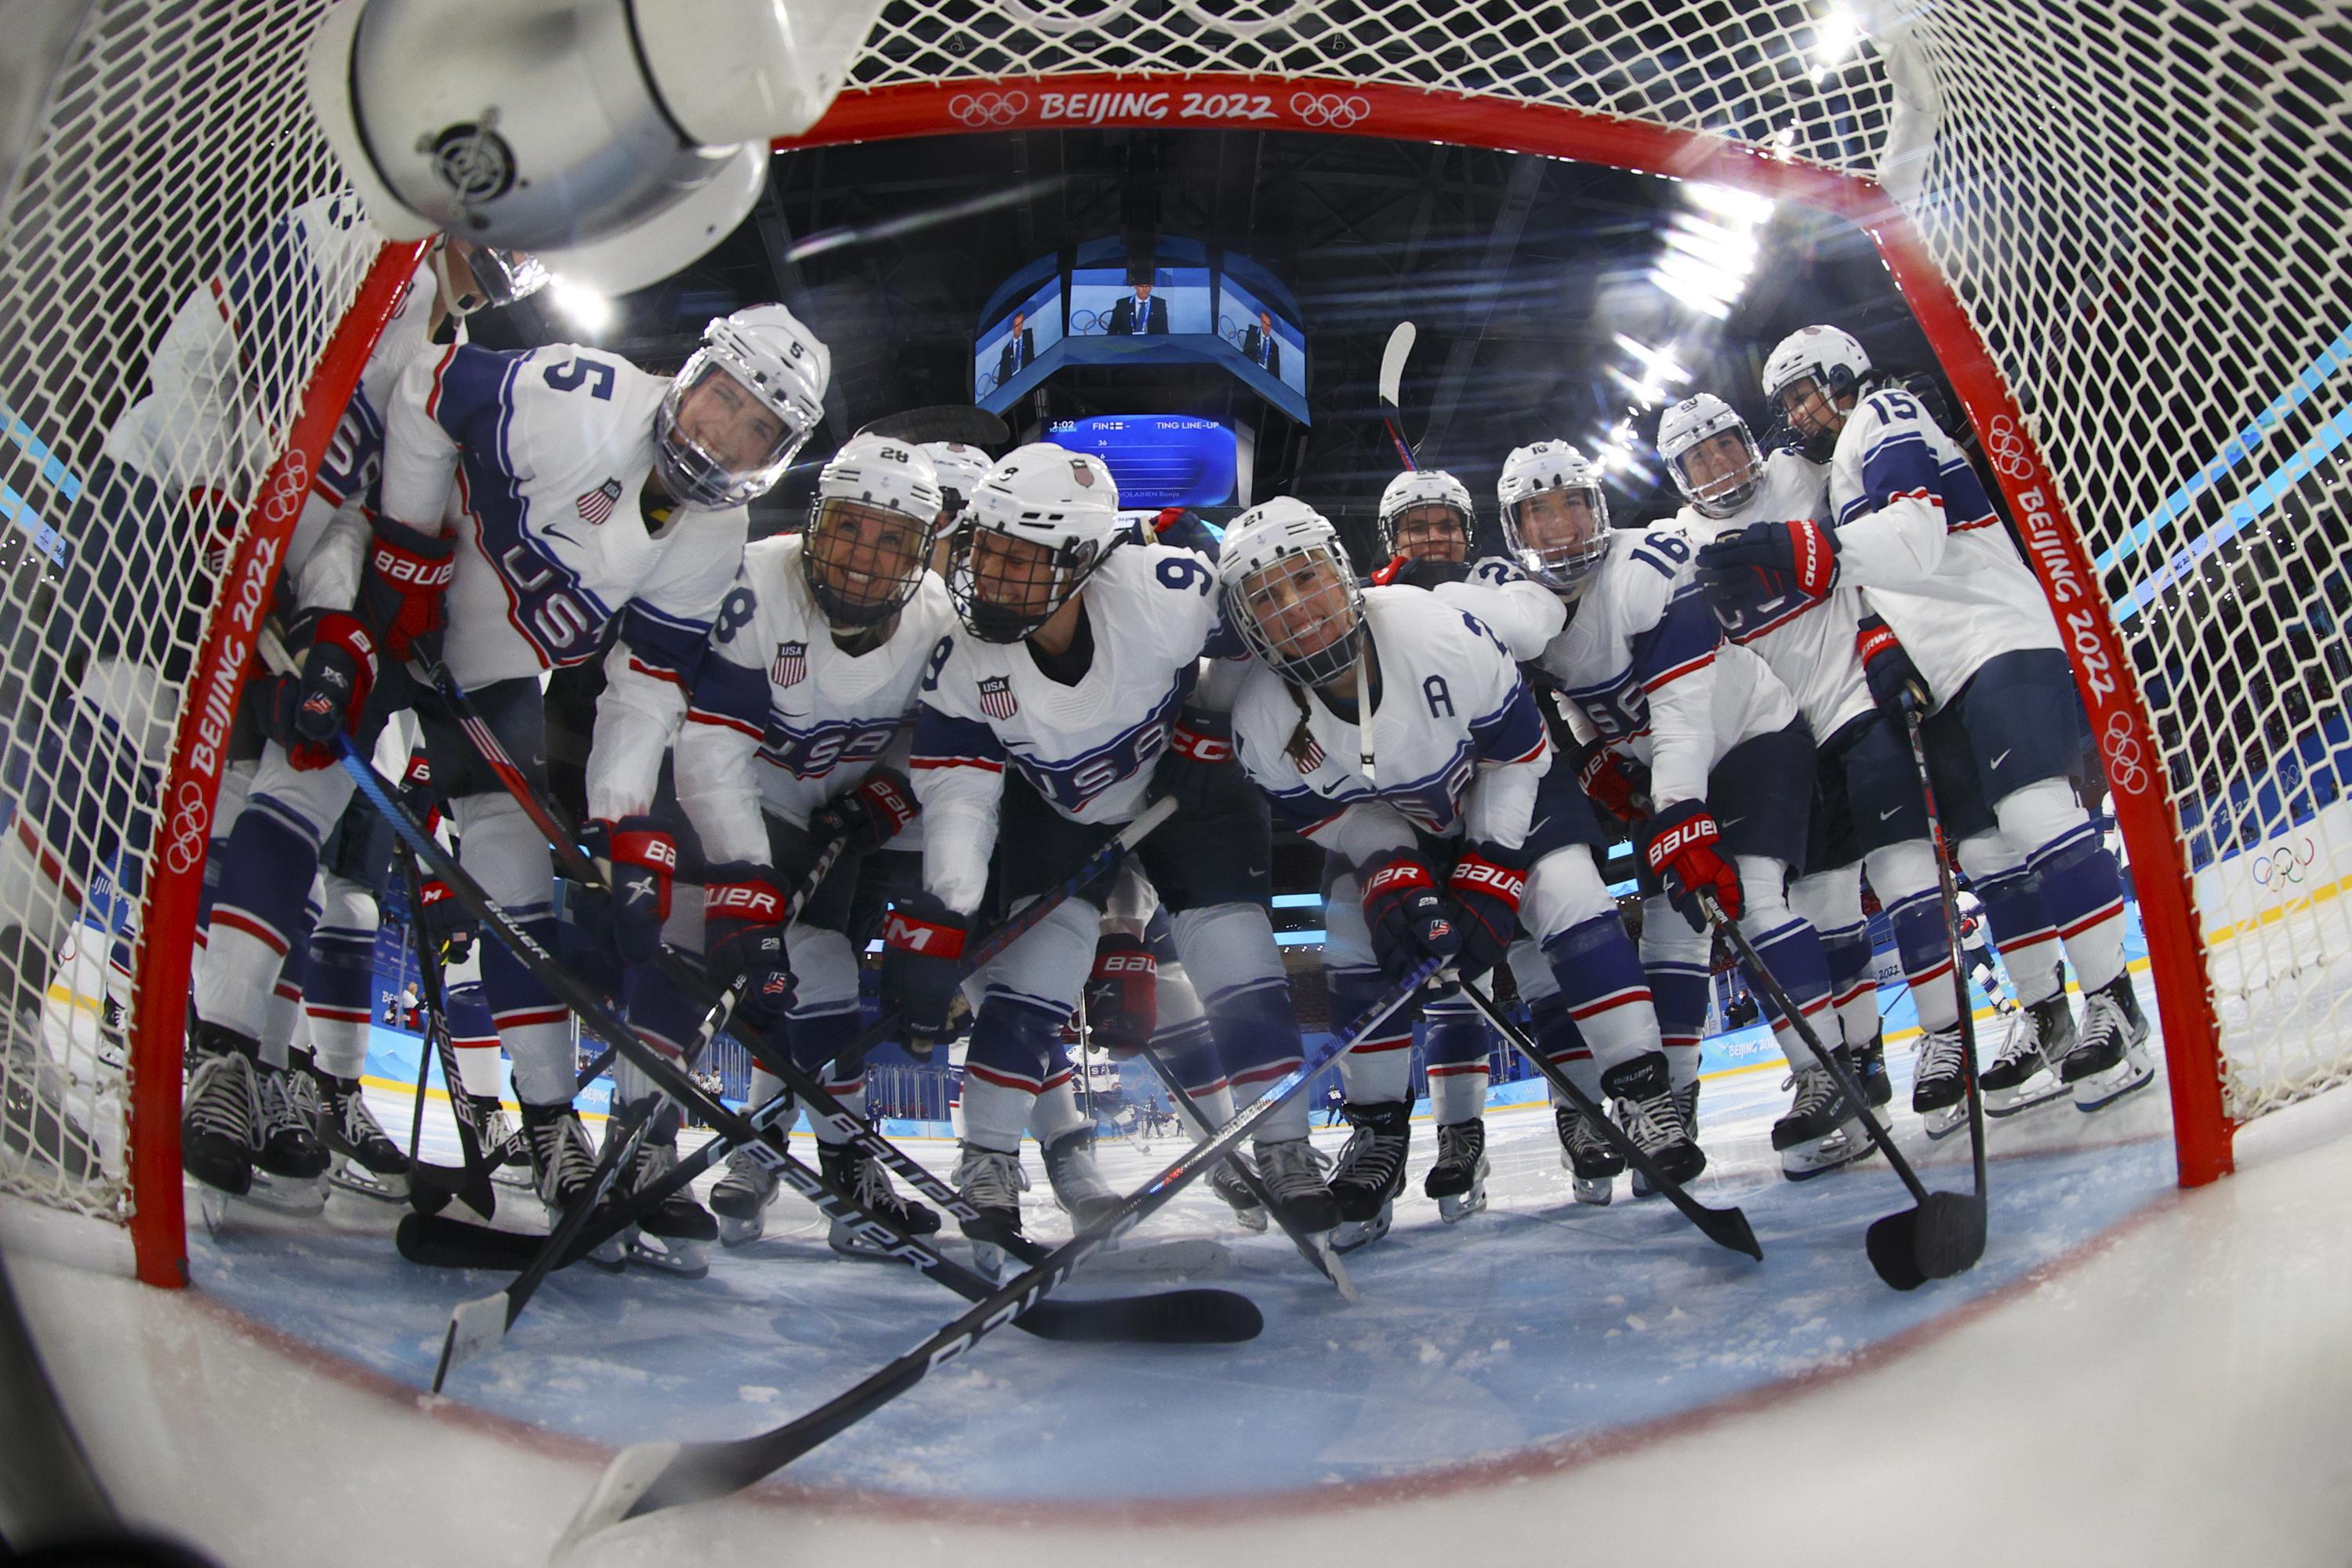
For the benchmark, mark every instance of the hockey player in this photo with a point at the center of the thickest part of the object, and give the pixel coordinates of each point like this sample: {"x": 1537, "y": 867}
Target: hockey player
{"x": 809, "y": 685}
{"x": 1427, "y": 527}
{"x": 1077, "y": 651}
{"x": 1918, "y": 535}
{"x": 1398, "y": 733}
{"x": 588, "y": 495}
{"x": 1701, "y": 751}
{"x": 1867, "y": 809}
{"x": 1977, "y": 954}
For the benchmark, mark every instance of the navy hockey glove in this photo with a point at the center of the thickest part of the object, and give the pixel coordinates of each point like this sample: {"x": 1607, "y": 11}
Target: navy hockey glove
{"x": 744, "y": 932}
{"x": 326, "y": 694}
{"x": 867, "y": 816}
{"x": 922, "y": 969}
{"x": 644, "y": 858}
{"x": 1894, "y": 681}
{"x": 447, "y": 925}
{"x": 1199, "y": 757}
{"x": 1768, "y": 561}
{"x": 1486, "y": 887}
{"x": 1682, "y": 854}
{"x": 400, "y": 597}
{"x": 1123, "y": 994}
{"x": 1617, "y": 784}
{"x": 1409, "y": 921}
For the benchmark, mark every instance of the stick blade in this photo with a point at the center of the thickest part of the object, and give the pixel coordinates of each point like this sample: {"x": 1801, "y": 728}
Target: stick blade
{"x": 1949, "y": 1234}
{"x": 632, "y": 1474}
{"x": 1729, "y": 1228}
{"x": 475, "y": 1328}
{"x": 1894, "y": 1246}
{"x": 1392, "y": 359}
{"x": 1336, "y": 1272}
{"x": 963, "y": 422}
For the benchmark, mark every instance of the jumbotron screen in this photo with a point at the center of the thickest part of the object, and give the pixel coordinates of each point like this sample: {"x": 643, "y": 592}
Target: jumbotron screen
{"x": 1158, "y": 459}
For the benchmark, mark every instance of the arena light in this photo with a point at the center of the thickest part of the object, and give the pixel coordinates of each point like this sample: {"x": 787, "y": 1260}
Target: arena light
{"x": 1658, "y": 364}
{"x": 591, "y": 309}
{"x": 1834, "y": 38}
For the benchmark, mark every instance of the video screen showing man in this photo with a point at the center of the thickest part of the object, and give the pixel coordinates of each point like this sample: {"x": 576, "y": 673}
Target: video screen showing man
{"x": 1020, "y": 348}
{"x": 1261, "y": 346}
{"x": 1266, "y": 337}
{"x": 1137, "y": 314}
{"x": 1012, "y": 343}
{"x": 1138, "y": 302}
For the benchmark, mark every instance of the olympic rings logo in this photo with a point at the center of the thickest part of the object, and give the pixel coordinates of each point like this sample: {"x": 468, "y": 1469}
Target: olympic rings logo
{"x": 985, "y": 108}
{"x": 2127, "y": 763}
{"x": 2005, "y": 445}
{"x": 2285, "y": 866}
{"x": 1329, "y": 109}
{"x": 191, "y": 826}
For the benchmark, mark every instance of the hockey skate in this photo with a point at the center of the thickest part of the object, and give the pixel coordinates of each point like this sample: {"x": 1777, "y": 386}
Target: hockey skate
{"x": 289, "y": 1162}
{"x": 675, "y": 1235}
{"x": 222, "y": 1108}
{"x": 992, "y": 1181}
{"x": 1938, "y": 1092}
{"x": 2026, "y": 1072}
{"x": 2112, "y": 1058}
{"x": 1458, "y": 1180}
{"x": 563, "y": 1171}
{"x": 741, "y": 1199}
{"x": 1227, "y": 1182}
{"x": 504, "y": 1149}
{"x": 366, "y": 1161}
{"x": 38, "y": 1128}
{"x": 1592, "y": 1162}
{"x": 1652, "y": 1117}
{"x": 1870, "y": 1072}
{"x": 1819, "y": 1132}
{"x": 1077, "y": 1187}
{"x": 1293, "y": 1174}
{"x": 1369, "y": 1172}
{"x": 861, "y": 1175}
{"x": 1686, "y": 1098}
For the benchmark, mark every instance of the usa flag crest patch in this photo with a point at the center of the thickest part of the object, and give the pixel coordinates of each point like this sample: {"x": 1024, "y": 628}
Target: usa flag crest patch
{"x": 791, "y": 663}
{"x": 996, "y": 699}
{"x": 597, "y": 504}
{"x": 1309, "y": 760}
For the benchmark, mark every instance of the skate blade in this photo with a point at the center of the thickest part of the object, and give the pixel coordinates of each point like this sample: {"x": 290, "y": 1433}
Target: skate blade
{"x": 1820, "y": 1157}
{"x": 1186, "y": 1258}
{"x": 302, "y": 1197}
{"x": 358, "y": 1180}
{"x": 666, "y": 1254}
{"x": 1456, "y": 1209}
{"x": 2040, "y": 1090}
{"x": 734, "y": 1232}
{"x": 518, "y": 1180}
{"x": 1942, "y": 1124}
{"x": 2101, "y": 1089}
{"x": 1353, "y": 1235}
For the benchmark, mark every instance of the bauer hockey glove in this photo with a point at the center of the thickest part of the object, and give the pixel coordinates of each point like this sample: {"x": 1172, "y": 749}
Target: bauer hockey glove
{"x": 400, "y": 597}
{"x": 1197, "y": 751}
{"x": 1769, "y": 560}
{"x": 868, "y": 817}
{"x": 1123, "y": 994}
{"x": 1612, "y": 781}
{"x": 1894, "y": 681}
{"x": 922, "y": 968}
{"x": 643, "y": 857}
{"x": 744, "y": 932}
{"x": 1486, "y": 887}
{"x": 326, "y": 694}
{"x": 1682, "y": 854}
{"x": 1409, "y": 921}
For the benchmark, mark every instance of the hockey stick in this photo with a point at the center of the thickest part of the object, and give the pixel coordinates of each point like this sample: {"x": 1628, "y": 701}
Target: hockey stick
{"x": 653, "y": 1476}
{"x": 1178, "y": 1316}
{"x": 1727, "y": 1227}
{"x": 473, "y": 1184}
{"x": 1391, "y": 386}
{"x": 1316, "y": 1249}
{"x": 1941, "y": 1225}
{"x": 1958, "y": 1240}
{"x": 943, "y": 422}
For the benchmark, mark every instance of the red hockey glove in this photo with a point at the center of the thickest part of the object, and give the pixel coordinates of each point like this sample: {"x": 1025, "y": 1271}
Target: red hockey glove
{"x": 1894, "y": 681}
{"x": 744, "y": 932}
{"x": 1409, "y": 921}
{"x": 922, "y": 969}
{"x": 1486, "y": 887}
{"x": 867, "y": 816}
{"x": 401, "y": 596}
{"x": 644, "y": 858}
{"x": 1682, "y": 854}
{"x": 1609, "y": 780}
{"x": 1197, "y": 761}
{"x": 1123, "y": 994}
{"x": 326, "y": 694}
{"x": 1768, "y": 561}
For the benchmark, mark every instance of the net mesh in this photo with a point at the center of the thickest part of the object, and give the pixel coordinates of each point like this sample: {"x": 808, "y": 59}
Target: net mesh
{"x": 2139, "y": 207}
{"x": 165, "y": 293}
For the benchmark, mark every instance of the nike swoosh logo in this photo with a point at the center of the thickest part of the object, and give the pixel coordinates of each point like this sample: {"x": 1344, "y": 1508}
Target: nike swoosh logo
{"x": 2000, "y": 759}
{"x": 1888, "y": 812}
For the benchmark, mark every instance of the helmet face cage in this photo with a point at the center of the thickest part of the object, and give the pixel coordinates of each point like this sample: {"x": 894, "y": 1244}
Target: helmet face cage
{"x": 1813, "y": 362}
{"x": 1555, "y": 518}
{"x": 693, "y": 471}
{"x": 1723, "y": 493}
{"x": 863, "y": 560}
{"x": 1005, "y": 586}
{"x": 1412, "y": 515}
{"x": 1301, "y": 611}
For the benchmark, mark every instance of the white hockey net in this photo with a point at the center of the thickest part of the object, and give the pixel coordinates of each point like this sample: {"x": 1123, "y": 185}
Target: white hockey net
{"x": 150, "y": 289}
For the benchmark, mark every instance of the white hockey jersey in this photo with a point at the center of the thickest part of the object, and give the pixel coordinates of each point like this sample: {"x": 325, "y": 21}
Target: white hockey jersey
{"x": 1089, "y": 749}
{"x": 1809, "y": 642}
{"x": 1918, "y": 535}
{"x": 1457, "y": 744}
{"x": 1520, "y": 611}
{"x": 781, "y": 719}
{"x": 536, "y": 460}
{"x": 1644, "y": 660}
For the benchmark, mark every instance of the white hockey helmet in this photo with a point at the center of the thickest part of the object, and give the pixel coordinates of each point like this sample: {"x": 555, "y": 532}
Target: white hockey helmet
{"x": 1411, "y": 491}
{"x": 497, "y": 277}
{"x": 738, "y": 448}
{"x": 961, "y": 468}
{"x": 1041, "y": 521}
{"x": 1694, "y": 423}
{"x": 1288, "y": 588}
{"x": 869, "y": 532}
{"x": 1808, "y": 359}
{"x": 1555, "y": 518}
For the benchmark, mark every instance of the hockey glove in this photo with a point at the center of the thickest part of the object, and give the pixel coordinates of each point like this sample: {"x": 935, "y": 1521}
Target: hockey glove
{"x": 867, "y": 816}
{"x": 744, "y": 932}
{"x": 922, "y": 969}
{"x": 417, "y": 795}
{"x": 642, "y": 859}
{"x": 1123, "y": 994}
{"x": 326, "y": 694}
{"x": 1612, "y": 781}
{"x": 1485, "y": 888}
{"x": 1894, "y": 681}
{"x": 400, "y": 597}
{"x": 1682, "y": 854}
{"x": 1409, "y": 921}
{"x": 1768, "y": 561}
{"x": 1421, "y": 572}
{"x": 1200, "y": 751}
{"x": 447, "y": 925}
